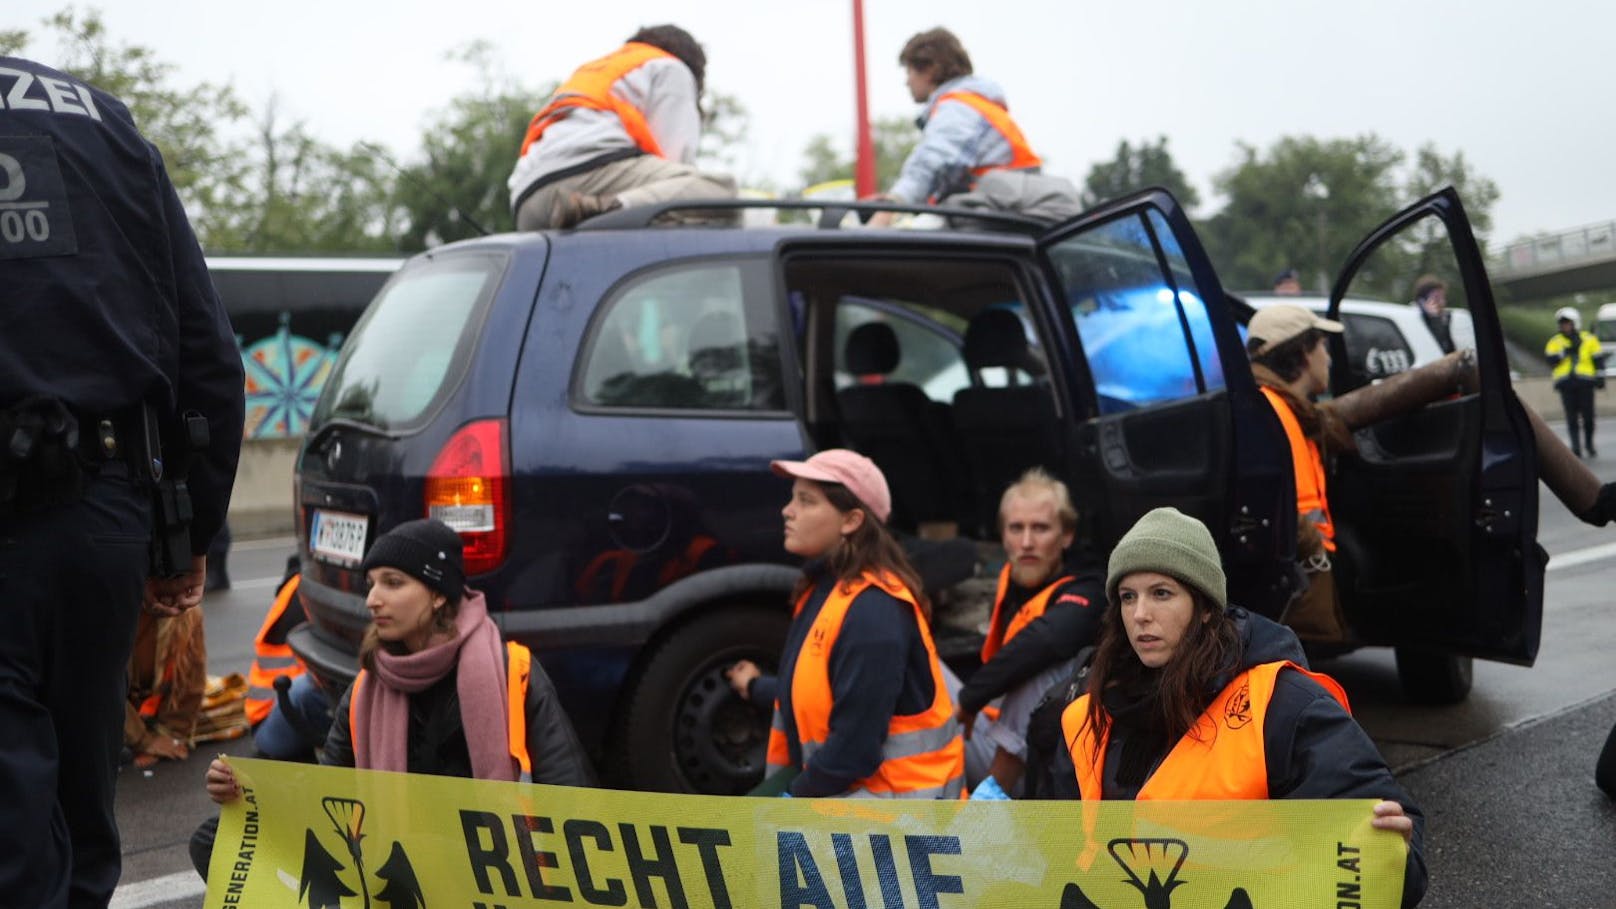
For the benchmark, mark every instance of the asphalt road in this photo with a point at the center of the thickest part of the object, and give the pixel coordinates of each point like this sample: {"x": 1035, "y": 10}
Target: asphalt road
{"x": 1506, "y": 779}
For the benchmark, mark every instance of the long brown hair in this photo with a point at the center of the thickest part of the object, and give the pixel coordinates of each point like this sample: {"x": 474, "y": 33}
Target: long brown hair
{"x": 442, "y": 621}
{"x": 1210, "y": 648}
{"x": 869, "y": 548}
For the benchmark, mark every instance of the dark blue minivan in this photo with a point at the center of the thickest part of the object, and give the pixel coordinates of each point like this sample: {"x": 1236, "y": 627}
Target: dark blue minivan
{"x": 595, "y": 410}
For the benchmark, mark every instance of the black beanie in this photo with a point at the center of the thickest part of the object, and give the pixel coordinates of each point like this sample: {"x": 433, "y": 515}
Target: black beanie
{"x": 425, "y": 549}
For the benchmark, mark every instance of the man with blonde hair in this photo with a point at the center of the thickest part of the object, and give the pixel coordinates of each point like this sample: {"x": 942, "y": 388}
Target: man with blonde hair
{"x": 1044, "y": 612}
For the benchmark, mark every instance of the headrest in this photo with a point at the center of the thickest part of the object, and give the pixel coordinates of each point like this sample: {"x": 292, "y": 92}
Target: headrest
{"x": 996, "y": 337}
{"x": 714, "y": 343}
{"x": 872, "y": 349}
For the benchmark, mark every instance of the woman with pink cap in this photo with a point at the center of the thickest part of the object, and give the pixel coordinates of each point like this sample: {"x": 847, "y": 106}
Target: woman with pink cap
{"x": 861, "y": 708}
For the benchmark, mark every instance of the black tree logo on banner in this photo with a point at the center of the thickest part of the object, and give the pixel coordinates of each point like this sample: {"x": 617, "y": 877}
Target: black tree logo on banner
{"x": 1152, "y": 866}
{"x": 321, "y": 881}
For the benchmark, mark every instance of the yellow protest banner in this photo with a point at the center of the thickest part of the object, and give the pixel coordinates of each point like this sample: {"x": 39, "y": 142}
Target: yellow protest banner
{"x": 327, "y": 837}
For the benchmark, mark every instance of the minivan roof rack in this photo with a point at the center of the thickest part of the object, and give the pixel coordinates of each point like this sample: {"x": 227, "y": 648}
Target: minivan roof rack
{"x": 830, "y": 218}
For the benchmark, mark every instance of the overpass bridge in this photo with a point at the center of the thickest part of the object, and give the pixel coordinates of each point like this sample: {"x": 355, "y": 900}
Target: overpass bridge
{"x": 1573, "y": 261}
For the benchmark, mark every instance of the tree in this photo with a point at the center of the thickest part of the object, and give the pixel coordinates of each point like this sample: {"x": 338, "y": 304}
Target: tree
{"x": 893, "y": 138}
{"x": 1304, "y": 203}
{"x": 458, "y": 190}
{"x": 1134, "y": 168}
{"x": 724, "y": 126}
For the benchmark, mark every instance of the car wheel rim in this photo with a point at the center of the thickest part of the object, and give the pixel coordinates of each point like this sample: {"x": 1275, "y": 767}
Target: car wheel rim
{"x": 719, "y": 741}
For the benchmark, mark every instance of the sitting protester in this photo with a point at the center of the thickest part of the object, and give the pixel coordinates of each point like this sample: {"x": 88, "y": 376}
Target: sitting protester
{"x": 434, "y": 684}
{"x": 1045, "y": 610}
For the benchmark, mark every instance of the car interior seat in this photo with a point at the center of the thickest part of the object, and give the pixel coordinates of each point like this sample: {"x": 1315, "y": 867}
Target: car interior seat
{"x": 1003, "y": 430}
{"x": 895, "y": 425}
{"x": 716, "y": 356}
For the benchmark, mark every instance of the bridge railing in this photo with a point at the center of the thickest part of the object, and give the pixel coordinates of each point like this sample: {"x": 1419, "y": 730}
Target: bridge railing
{"x": 1593, "y": 242}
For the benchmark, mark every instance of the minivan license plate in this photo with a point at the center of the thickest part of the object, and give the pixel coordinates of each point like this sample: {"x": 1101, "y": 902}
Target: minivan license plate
{"x": 338, "y": 537}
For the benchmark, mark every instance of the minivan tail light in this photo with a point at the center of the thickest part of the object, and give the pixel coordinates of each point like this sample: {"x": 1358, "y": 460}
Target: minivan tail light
{"x": 468, "y": 489}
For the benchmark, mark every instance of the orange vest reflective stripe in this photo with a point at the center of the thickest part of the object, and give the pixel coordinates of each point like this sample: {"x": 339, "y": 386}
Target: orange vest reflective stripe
{"x": 1021, "y": 154}
{"x": 272, "y": 657}
{"x": 1222, "y": 757}
{"x": 590, "y": 86}
{"x": 1308, "y": 467}
{"x": 1030, "y": 610}
{"x": 923, "y": 755}
{"x": 518, "y": 668}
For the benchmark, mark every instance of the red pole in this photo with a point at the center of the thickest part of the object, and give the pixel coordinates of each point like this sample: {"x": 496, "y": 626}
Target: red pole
{"x": 864, "y": 167}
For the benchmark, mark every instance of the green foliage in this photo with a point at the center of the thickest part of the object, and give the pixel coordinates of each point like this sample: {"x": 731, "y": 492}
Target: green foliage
{"x": 1136, "y": 167}
{"x": 893, "y": 137}
{"x": 724, "y": 127}
{"x": 468, "y": 151}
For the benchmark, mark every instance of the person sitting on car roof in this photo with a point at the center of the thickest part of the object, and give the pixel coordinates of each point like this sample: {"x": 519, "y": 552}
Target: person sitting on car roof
{"x": 434, "y": 684}
{"x": 861, "y": 705}
{"x": 621, "y": 131}
{"x": 1291, "y": 364}
{"x": 1045, "y": 611}
{"x": 967, "y": 134}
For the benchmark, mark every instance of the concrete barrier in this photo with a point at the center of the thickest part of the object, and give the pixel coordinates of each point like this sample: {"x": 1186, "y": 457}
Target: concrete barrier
{"x": 262, "y": 502}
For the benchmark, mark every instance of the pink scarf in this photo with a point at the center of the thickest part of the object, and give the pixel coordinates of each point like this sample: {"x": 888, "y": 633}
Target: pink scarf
{"x": 381, "y": 716}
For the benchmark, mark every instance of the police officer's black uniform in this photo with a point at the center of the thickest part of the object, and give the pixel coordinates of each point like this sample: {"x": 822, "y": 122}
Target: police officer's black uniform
{"x": 105, "y": 304}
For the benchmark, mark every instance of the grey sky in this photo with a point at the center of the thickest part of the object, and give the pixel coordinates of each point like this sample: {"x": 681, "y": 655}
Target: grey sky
{"x": 1522, "y": 89}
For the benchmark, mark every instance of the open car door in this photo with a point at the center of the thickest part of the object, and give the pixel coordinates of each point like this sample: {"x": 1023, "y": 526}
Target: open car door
{"x": 1436, "y": 516}
{"x": 1165, "y": 409}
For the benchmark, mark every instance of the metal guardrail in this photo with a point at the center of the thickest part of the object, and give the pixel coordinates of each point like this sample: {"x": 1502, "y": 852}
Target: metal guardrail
{"x": 1591, "y": 243}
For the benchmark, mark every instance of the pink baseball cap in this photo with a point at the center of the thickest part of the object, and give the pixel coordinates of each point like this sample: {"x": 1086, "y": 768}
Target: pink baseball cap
{"x": 849, "y": 468}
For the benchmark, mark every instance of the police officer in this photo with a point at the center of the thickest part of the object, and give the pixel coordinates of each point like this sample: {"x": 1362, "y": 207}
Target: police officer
{"x": 110, "y": 330}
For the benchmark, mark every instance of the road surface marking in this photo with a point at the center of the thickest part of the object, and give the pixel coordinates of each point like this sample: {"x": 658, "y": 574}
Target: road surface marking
{"x": 157, "y": 890}
{"x": 1581, "y": 556}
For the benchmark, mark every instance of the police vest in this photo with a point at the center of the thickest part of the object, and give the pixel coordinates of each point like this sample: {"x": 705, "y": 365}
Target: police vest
{"x": 272, "y": 657}
{"x": 1221, "y": 757}
{"x": 923, "y": 756}
{"x": 1582, "y": 364}
{"x": 1035, "y": 606}
{"x": 591, "y": 87}
{"x": 1021, "y": 154}
{"x": 1308, "y": 467}
{"x": 518, "y": 667}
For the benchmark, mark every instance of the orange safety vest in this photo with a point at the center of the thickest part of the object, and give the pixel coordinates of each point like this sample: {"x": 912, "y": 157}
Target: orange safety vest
{"x": 591, "y": 87}
{"x": 272, "y": 657}
{"x": 923, "y": 756}
{"x": 1021, "y": 154}
{"x": 1308, "y": 467}
{"x": 1222, "y": 757}
{"x": 518, "y": 668}
{"x": 1035, "y": 606}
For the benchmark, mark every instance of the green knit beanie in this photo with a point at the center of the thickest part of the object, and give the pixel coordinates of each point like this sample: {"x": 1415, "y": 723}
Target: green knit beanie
{"x": 1169, "y": 542}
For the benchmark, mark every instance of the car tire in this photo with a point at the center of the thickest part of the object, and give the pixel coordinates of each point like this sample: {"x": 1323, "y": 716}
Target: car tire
{"x": 684, "y": 729}
{"x": 1434, "y": 677}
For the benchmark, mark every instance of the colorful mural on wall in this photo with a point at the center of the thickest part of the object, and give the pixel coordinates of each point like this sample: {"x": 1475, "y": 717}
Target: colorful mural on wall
{"x": 285, "y": 373}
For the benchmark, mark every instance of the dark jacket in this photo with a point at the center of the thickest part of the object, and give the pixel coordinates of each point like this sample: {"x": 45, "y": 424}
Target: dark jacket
{"x": 1071, "y": 622}
{"x": 1314, "y": 748}
{"x": 437, "y": 743}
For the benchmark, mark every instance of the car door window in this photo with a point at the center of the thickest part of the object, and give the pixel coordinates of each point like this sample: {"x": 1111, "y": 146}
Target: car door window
{"x": 1141, "y": 319}
{"x": 928, "y": 345}
{"x": 687, "y": 338}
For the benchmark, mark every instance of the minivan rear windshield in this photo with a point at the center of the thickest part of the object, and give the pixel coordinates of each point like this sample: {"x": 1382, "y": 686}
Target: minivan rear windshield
{"x": 408, "y": 349}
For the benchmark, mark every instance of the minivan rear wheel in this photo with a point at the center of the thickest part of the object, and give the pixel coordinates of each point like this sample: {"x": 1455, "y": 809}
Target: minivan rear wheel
{"x": 684, "y": 729}
{"x": 1434, "y": 677}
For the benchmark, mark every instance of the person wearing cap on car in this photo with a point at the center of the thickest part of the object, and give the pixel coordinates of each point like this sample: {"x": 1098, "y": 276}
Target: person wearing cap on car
{"x": 1175, "y": 660}
{"x": 1291, "y": 363}
{"x": 434, "y": 684}
{"x": 1578, "y": 362}
{"x": 861, "y": 706}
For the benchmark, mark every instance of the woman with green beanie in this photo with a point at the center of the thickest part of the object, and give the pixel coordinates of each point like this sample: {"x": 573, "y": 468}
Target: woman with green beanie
{"x": 1189, "y": 698}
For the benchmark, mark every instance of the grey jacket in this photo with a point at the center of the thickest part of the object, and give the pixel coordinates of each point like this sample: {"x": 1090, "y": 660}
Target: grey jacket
{"x": 954, "y": 139}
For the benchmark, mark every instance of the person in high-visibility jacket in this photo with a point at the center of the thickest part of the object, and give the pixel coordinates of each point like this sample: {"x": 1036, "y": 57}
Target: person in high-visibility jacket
{"x": 621, "y": 131}
{"x": 437, "y": 691}
{"x": 1046, "y": 608}
{"x": 1189, "y": 698}
{"x": 861, "y": 705}
{"x": 1291, "y": 363}
{"x": 966, "y": 130}
{"x": 1579, "y": 363}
